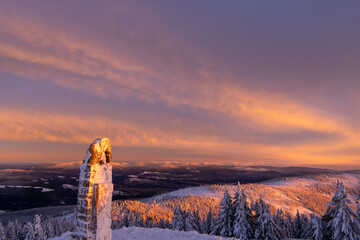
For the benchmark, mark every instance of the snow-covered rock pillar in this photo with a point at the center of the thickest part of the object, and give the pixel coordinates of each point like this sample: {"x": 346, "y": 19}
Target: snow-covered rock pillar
{"x": 93, "y": 213}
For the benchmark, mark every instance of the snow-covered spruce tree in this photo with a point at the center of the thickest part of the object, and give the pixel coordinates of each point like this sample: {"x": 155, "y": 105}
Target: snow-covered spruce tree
{"x": 29, "y": 231}
{"x": 39, "y": 233}
{"x": 178, "y": 220}
{"x": 304, "y": 225}
{"x": 297, "y": 225}
{"x": 125, "y": 221}
{"x": 339, "y": 221}
{"x": 2, "y": 231}
{"x": 243, "y": 226}
{"x": 11, "y": 231}
{"x": 266, "y": 228}
{"x": 223, "y": 223}
{"x": 190, "y": 222}
{"x": 19, "y": 230}
{"x": 59, "y": 227}
{"x": 197, "y": 221}
{"x": 284, "y": 223}
{"x": 287, "y": 228}
{"x": 208, "y": 222}
{"x": 314, "y": 230}
{"x": 49, "y": 229}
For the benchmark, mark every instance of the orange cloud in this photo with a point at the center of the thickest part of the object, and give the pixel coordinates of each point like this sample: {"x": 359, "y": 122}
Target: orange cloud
{"x": 50, "y": 54}
{"x": 43, "y": 127}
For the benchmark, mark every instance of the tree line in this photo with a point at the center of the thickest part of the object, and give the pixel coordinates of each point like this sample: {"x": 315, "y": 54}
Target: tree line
{"x": 37, "y": 229}
{"x": 235, "y": 218}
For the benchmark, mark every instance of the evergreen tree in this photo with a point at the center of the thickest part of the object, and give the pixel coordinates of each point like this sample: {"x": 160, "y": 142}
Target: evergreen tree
{"x": 314, "y": 230}
{"x": 297, "y": 225}
{"x": 11, "y": 231}
{"x": 266, "y": 228}
{"x": 223, "y": 224}
{"x": 243, "y": 226}
{"x": 125, "y": 222}
{"x": 339, "y": 221}
{"x": 58, "y": 227}
{"x": 197, "y": 221}
{"x": 304, "y": 221}
{"x": 50, "y": 231}
{"x": 358, "y": 208}
{"x": 2, "y": 232}
{"x": 39, "y": 233}
{"x": 209, "y": 222}
{"x": 178, "y": 220}
{"x": 287, "y": 227}
{"x": 161, "y": 223}
{"x": 190, "y": 222}
{"x": 29, "y": 231}
{"x": 283, "y": 223}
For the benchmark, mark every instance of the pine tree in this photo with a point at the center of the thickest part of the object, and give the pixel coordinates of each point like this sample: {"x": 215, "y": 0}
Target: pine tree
{"x": 223, "y": 224}
{"x": 297, "y": 225}
{"x": 29, "y": 231}
{"x": 284, "y": 223}
{"x": 50, "y": 231}
{"x": 287, "y": 228}
{"x": 161, "y": 223}
{"x": 125, "y": 222}
{"x": 178, "y": 220}
{"x": 38, "y": 231}
{"x": 58, "y": 227}
{"x": 11, "y": 231}
{"x": 314, "y": 230}
{"x": 209, "y": 222}
{"x": 2, "y": 232}
{"x": 339, "y": 221}
{"x": 304, "y": 225}
{"x": 197, "y": 221}
{"x": 190, "y": 222}
{"x": 243, "y": 226}
{"x": 266, "y": 228}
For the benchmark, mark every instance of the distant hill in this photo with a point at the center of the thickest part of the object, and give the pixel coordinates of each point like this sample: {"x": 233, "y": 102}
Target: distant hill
{"x": 55, "y": 184}
{"x": 308, "y": 194}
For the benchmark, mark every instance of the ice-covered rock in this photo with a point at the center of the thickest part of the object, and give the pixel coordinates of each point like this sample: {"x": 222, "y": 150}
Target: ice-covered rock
{"x": 93, "y": 212}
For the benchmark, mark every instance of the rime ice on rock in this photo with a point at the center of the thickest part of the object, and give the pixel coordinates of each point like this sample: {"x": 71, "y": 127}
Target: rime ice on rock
{"x": 93, "y": 211}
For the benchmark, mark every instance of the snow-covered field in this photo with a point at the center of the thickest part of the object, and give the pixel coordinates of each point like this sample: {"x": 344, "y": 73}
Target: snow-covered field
{"x": 136, "y": 233}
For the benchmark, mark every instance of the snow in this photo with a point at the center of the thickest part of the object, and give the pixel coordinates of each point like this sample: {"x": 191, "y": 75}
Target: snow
{"x": 69, "y": 186}
{"x": 136, "y": 233}
{"x": 196, "y": 191}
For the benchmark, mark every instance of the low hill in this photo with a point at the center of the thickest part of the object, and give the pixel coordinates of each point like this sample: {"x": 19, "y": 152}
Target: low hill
{"x": 308, "y": 194}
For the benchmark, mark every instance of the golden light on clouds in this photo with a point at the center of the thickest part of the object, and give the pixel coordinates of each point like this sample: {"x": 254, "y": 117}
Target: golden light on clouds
{"x": 167, "y": 89}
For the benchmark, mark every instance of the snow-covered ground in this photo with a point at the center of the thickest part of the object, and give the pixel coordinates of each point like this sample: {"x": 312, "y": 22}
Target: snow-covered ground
{"x": 136, "y": 233}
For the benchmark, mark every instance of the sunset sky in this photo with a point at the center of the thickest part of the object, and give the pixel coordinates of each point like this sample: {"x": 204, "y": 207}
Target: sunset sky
{"x": 250, "y": 82}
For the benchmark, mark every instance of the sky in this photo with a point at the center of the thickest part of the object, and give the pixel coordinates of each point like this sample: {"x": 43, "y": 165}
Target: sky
{"x": 245, "y": 82}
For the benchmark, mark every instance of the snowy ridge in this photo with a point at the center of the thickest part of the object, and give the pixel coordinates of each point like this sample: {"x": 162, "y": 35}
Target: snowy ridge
{"x": 308, "y": 194}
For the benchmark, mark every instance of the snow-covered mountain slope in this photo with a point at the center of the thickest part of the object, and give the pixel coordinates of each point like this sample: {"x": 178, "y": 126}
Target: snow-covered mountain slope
{"x": 136, "y": 233}
{"x": 307, "y": 194}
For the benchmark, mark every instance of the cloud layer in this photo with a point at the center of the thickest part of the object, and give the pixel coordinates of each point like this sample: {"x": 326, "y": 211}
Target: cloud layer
{"x": 147, "y": 78}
